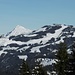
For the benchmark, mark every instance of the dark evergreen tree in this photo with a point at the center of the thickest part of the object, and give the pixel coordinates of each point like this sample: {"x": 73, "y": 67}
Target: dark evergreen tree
{"x": 73, "y": 54}
{"x": 24, "y": 69}
{"x": 62, "y": 59}
{"x": 71, "y": 67}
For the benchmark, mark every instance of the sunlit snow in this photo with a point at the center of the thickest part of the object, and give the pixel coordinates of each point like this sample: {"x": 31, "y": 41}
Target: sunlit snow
{"x": 19, "y": 30}
{"x": 22, "y": 57}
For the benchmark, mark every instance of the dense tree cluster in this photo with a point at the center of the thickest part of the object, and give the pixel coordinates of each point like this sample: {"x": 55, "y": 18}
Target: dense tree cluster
{"x": 24, "y": 69}
{"x": 65, "y": 63}
{"x": 38, "y": 69}
{"x": 62, "y": 56}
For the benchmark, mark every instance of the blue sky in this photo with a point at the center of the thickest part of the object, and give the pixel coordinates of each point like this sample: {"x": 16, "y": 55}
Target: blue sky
{"x": 34, "y": 14}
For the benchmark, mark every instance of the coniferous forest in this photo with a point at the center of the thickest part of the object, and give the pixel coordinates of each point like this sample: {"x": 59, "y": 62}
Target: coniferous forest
{"x": 65, "y": 64}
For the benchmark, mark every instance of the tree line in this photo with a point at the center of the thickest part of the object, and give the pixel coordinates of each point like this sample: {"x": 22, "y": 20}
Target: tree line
{"x": 38, "y": 69}
{"x": 65, "y": 63}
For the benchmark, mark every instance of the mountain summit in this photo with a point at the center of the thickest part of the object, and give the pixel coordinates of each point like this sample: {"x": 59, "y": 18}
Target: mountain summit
{"x": 19, "y": 30}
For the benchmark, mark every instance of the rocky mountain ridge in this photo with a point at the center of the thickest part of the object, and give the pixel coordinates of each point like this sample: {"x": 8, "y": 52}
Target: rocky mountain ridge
{"x": 41, "y": 44}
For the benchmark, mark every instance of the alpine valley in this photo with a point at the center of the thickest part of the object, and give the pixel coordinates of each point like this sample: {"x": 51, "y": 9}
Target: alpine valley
{"x": 41, "y": 44}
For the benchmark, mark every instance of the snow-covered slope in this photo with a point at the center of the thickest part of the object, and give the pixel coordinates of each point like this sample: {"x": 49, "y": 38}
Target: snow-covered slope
{"x": 22, "y": 43}
{"x": 19, "y": 30}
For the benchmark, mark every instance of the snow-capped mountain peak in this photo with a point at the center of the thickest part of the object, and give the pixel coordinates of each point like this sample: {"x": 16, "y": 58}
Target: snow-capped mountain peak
{"x": 39, "y": 45}
{"x": 19, "y": 30}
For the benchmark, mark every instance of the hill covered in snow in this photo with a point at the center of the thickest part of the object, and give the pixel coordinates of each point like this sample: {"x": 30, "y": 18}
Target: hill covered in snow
{"x": 41, "y": 44}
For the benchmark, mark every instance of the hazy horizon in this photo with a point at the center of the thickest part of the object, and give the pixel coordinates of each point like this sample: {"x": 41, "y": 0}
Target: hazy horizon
{"x": 35, "y": 13}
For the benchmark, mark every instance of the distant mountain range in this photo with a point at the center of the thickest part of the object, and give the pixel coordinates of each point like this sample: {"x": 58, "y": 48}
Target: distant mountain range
{"x": 41, "y": 44}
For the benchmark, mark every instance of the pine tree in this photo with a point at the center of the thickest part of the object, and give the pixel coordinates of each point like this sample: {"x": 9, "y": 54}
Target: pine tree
{"x": 73, "y": 54}
{"x": 71, "y": 68}
{"x": 62, "y": 57}
{"x": 24, "y": 69}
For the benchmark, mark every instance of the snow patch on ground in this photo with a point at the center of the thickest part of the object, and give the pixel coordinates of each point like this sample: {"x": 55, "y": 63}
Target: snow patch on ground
{"x": 42, "y": 29}
{"x": 2, "y": 51}
{"x": 61, "y": 40}
{"x": 69, "y": 51}
{"x": 31, "y": 35}
{"x": 23, "y": 57}
{"x": 48, "y": 73}
{"x": 23, "y": 49}
{"x": 35, "y": 49}
{"x": 73, "y": 34}
{"x": 6, "y": 41}
{"x": 46, "y": 61}
{"x": 54, "y": 51}
{"x": 10, "y": 48}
